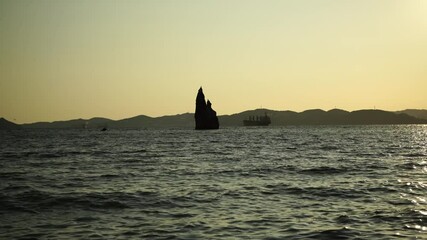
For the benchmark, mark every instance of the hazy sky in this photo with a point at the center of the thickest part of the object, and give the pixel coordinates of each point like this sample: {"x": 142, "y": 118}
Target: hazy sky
{"x": 70, "y": 59}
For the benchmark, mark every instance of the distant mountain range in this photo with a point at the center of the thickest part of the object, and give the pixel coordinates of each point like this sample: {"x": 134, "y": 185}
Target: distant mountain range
{"x": 278, "y": 118}
{"x": 321, "y": 117}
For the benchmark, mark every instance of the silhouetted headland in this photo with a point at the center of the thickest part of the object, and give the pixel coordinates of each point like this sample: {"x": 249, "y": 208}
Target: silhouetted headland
{"x": 5, "y": 124}
{"x": 205, "y": 116}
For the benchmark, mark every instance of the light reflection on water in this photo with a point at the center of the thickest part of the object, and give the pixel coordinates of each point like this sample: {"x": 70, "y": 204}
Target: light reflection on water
{"x": 324, "y": 182}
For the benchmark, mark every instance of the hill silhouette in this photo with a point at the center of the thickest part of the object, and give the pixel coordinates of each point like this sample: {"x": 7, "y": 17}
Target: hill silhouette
{"x": 418, "y": 113}
{"x": 321, "y": 117}
{"x": 278, "y": 118}
{"x": 5, "y": 124}
{"x": 185, "y": 120}
{"x": 75, "y": 123}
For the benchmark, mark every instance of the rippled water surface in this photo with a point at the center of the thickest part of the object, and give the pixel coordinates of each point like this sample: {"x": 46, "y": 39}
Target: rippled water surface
{"x": 340, "y": 182}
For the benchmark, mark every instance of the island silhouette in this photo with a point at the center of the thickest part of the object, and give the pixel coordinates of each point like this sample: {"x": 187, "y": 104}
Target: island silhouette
{"x": 278, "y": 118}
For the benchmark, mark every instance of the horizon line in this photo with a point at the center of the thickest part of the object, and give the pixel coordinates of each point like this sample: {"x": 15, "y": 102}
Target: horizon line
{"x": 170, "y": 115}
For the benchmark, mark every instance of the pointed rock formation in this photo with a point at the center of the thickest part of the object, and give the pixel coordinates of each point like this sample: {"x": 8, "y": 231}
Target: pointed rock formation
{"x": 205, "y": 116}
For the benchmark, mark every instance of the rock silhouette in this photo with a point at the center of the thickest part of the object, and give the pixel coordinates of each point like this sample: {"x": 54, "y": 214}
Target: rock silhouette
{"x": 205, "y": 116}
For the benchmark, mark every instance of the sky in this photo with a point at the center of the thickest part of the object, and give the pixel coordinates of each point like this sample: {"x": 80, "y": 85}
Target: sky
{"x": 63, "y": 60}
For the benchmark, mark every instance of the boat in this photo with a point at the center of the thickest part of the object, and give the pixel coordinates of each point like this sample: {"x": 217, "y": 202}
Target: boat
{"x": 257, "y": 121}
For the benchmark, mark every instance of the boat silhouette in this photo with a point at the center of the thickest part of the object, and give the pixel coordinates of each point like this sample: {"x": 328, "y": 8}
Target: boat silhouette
{"x": 257, "y": 121}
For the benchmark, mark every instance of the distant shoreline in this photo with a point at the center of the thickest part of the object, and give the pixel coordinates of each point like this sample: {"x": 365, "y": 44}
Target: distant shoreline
{"x": 278, "y": 118}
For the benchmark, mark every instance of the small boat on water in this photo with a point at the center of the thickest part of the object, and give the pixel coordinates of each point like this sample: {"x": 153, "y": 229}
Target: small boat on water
{"x": 257, "y": 121}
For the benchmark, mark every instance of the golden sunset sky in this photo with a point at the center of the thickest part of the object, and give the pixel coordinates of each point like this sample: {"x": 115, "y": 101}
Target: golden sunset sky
{"x": 62, "y": 60}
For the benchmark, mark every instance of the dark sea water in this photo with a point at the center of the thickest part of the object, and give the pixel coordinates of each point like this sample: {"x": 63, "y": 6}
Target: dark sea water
{"x": 318, "y": 182}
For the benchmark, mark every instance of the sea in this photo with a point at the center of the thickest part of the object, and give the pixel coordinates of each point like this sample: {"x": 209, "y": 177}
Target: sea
{"x": 296, "y": 182}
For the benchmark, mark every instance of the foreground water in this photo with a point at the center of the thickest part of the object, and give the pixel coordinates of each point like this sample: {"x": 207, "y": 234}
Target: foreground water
{"x": 340, "y": 182}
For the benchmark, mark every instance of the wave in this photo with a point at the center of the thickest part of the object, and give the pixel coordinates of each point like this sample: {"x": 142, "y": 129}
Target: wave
{"x": 325, "y": 170}
{"x": 341, "y": 233}
{"x": 412, "y": 165}
{"x": 316, "y": 192}
{"x": 329, "y": 148}
{"x": 32, "y": 200}
{"x": 36, "y": 200}
{"x": 24, "y": 155}
{"x": 414, "y": 155}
